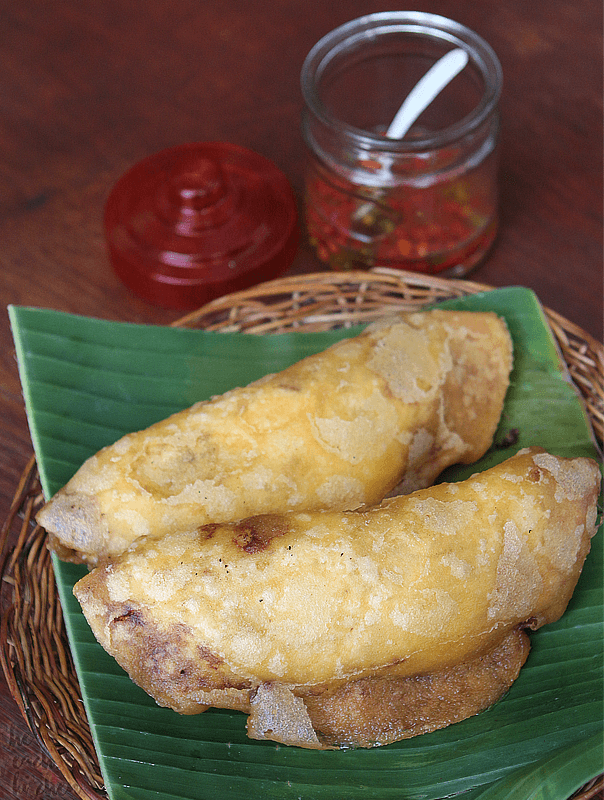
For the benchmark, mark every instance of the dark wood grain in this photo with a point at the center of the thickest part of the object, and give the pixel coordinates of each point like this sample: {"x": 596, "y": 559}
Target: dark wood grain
{"x": 88, "y": 88}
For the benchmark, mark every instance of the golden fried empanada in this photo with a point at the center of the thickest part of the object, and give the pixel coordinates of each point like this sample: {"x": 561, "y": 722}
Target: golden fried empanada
{"x": 354, "y": 628}
{"x": 337, "y": 430}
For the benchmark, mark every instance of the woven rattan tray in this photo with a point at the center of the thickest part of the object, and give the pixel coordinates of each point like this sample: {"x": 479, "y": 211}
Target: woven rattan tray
{"x": 34, "y": 650}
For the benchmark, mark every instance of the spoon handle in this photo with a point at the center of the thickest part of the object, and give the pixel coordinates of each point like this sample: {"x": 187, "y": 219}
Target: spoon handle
{"x": 426, "y": 89}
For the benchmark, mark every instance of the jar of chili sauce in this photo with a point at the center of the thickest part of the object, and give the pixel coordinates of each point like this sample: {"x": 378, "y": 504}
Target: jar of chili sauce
{"x": 427, "y": 202}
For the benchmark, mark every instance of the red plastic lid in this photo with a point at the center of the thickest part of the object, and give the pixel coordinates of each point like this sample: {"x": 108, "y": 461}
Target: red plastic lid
{"x": 199, "y": 220}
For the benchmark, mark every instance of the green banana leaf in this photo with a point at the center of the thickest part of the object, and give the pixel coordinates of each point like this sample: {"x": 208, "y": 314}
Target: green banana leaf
{"x": 88, "y": 381}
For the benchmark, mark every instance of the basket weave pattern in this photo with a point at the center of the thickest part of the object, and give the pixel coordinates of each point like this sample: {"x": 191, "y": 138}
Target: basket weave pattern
{"x": 34, "y": 649}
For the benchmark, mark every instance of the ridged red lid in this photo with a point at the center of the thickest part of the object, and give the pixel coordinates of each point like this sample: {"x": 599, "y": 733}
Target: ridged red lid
{"x": 199, "y": 220}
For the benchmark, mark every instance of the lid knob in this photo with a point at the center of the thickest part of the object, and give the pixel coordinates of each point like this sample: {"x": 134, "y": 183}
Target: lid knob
{"x": 194, "y": 197}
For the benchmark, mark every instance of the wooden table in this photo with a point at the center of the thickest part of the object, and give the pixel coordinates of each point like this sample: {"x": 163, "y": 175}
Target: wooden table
{"x": 88, "y": 88}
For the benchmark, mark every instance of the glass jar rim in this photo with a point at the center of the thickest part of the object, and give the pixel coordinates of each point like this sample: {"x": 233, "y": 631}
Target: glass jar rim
{"x": 434, "y": 26}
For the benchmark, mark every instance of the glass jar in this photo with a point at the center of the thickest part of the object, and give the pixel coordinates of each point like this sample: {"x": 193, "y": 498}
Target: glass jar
{"x": 427, "y": 202}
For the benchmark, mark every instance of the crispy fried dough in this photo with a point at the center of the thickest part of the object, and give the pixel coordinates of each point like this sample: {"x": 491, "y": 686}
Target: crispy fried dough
{"x": 308, "y": 612}
{"x": 377, "y": 711}
{"x": 337, "y": 430}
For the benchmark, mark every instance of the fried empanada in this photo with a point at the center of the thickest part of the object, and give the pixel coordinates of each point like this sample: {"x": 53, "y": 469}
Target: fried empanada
{"x": 337, "y": 430}
{"x": 358, "y": 628}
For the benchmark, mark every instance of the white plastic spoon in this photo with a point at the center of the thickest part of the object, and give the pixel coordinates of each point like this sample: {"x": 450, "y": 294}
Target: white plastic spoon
{"x": 419, "y": 98}
{"x": 426, "y": 89}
